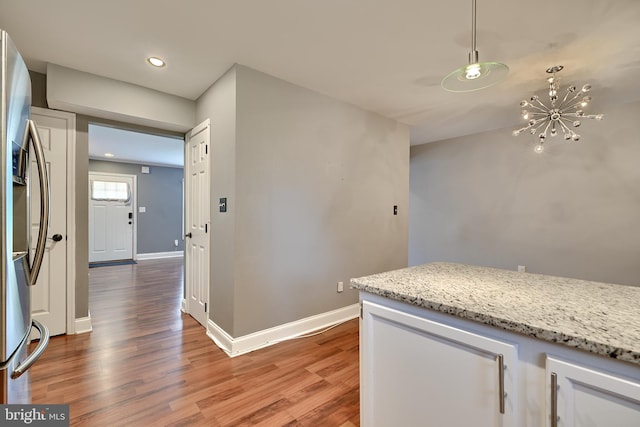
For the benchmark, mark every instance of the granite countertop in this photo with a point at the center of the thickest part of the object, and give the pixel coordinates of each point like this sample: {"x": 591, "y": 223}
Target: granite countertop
{"x": 601, "y": 318}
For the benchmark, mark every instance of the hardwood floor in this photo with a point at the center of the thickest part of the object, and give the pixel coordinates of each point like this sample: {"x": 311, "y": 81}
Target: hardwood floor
{"x": 146, "y": 364}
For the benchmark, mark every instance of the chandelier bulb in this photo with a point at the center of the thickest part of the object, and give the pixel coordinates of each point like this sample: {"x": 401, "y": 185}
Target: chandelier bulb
{"x": 539, "y": 148}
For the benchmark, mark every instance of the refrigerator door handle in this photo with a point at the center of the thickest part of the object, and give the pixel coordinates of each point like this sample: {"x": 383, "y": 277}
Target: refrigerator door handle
{"x": 43, "y": 176}
{"x": 37, "y": 352}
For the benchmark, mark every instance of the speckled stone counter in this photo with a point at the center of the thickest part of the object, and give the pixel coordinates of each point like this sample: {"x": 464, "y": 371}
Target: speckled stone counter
{"x": 597, "y": 317}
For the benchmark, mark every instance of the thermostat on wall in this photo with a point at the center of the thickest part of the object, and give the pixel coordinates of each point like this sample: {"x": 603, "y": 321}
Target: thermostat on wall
{"x": 145, "y": 169}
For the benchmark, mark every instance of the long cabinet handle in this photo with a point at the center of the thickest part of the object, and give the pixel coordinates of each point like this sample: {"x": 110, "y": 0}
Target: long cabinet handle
{"x": 43, "y": 176}
{"x": 501, "y": 368}
{"x": 554, "y": 399}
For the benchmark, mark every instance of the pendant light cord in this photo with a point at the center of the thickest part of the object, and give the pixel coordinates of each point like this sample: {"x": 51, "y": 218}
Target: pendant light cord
{"x": 473, "y": 55}
{"x": 473, "y": 25}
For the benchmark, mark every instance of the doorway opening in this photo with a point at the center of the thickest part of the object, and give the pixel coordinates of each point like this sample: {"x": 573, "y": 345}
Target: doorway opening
{"x": 135, "y": 203}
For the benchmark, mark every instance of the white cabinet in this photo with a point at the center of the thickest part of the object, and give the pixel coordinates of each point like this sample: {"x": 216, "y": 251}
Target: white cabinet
{"x": 418, "y": 372}
{"x": 580, "y": 396}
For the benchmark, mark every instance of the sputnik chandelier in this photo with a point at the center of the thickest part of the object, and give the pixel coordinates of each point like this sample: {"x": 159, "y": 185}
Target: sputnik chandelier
{"x": 546, "y": 120}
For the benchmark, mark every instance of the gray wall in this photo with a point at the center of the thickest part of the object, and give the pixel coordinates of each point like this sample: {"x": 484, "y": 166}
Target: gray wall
{"x": 311, "y": 184}
{"x": 39, "y": 99}
{"x": 573, "y": 211}
{"x": 218, "y": 104}
{"x": 160, "y": 192}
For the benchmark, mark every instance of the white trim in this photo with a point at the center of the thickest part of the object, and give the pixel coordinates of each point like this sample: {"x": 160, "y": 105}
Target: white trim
{"x": 83, "y": 325}
{"x": 199, "y": 128}
{"x": 247, "y": 343}
{"x": 71, "y": 211}
{"x": 158, "y": 255}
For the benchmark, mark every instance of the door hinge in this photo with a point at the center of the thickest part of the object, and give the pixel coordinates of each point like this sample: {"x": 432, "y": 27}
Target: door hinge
{"x": 206, "y": 149}
{"x": 361, "y": 310}
{"x": 206, "y": 228}
{"x": 205, "y": 307}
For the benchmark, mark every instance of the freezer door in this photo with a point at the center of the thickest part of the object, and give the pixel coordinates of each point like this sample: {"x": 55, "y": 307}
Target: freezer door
{"x": 15, "y": 390}
{"x": 14, "y": 373}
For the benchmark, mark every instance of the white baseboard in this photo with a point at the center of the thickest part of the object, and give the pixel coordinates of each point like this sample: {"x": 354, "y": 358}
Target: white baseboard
{"x": 83, "y": 325}
{"x": 158, "y": 255}
{"x": 247, "y": 343}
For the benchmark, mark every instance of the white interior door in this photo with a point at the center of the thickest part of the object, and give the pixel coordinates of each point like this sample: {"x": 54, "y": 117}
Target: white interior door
{"x": 111, "y": 216}
{"x": 197, "y": 222}
{"x": 48, "y": 297}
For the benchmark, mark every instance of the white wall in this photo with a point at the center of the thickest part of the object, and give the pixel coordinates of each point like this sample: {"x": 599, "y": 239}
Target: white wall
{"x": 572, "y": 211}
{"x": 315, "y": 185}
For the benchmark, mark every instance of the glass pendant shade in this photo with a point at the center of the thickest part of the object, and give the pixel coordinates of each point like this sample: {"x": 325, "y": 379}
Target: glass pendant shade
{"x": 476, "y": 75}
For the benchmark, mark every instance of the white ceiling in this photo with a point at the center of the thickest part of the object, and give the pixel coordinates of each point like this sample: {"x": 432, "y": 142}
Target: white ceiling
{"x": 386, "y": 56}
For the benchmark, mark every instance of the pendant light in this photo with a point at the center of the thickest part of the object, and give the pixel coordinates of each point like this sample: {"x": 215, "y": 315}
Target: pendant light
{"x": 477, "y": 75}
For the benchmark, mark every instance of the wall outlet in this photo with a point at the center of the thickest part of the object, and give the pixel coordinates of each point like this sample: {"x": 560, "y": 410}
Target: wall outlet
{"x": 522, "y": 268}
{"x": 142, "y": 209}
{"x": 175, "y": 243}
{"x": 340, "y": 286}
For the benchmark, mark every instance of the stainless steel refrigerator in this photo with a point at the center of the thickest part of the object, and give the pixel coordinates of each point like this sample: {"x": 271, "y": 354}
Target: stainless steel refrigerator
{"x": 19, "y": 264}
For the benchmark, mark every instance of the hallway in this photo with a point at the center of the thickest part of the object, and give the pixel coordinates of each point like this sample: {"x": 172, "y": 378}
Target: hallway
{"x": 145, "y": 363}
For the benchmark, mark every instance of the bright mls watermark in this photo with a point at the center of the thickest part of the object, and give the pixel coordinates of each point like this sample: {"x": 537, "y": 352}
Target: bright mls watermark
{"x": 34, "y": 415}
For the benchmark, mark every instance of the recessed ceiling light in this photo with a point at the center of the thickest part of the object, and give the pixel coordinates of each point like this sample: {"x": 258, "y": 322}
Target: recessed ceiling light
{"x": 109, "y": 155}
{"x": 155, "y": 61}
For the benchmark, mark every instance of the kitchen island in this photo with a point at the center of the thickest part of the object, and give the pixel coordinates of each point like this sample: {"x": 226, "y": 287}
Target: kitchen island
{"x": 509, "y": 348}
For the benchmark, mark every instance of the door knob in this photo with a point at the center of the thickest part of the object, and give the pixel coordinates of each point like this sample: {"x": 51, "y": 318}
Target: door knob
{"x": 56, "y": 237}
{"x": 188, "y": 235}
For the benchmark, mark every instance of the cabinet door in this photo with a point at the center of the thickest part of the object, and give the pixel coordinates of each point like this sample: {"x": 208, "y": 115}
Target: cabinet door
{"x": 417, "y": 372}
{"x": 585, "y": 397}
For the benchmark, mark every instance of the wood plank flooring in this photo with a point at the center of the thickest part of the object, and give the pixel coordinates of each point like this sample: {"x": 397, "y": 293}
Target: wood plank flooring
{"x": 146, "y": 364}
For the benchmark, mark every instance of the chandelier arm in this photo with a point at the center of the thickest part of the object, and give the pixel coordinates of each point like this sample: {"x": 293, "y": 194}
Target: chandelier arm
{"x": 541, "y": 104}
{"x": 565, "y": 127}
{"x": 573, "y": 106}
{"x": 566, "y": 95}
{"x": 536, "y": 128}
{"x": 576, "y": 96}
{"x": 547, "y": 128}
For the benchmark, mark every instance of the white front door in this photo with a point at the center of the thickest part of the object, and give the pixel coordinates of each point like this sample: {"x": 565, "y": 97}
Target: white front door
{"x": 197, "y": 222}
{"x": 48, "y": 297}
{"x": 111, "y": 216}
